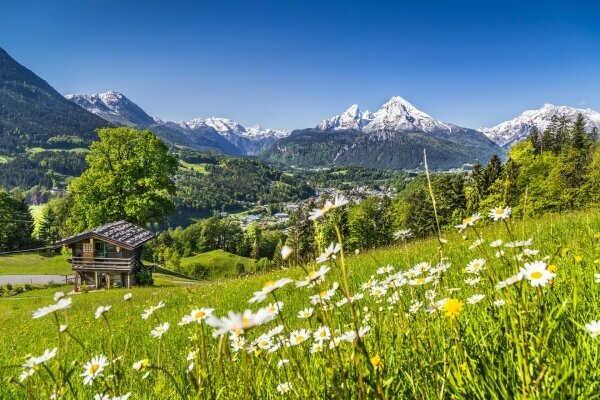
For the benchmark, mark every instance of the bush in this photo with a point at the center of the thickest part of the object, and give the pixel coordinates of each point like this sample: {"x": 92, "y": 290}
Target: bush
{"x": 200, "y": 271}
{"x": 144, "y": 277}
{"x": 240, "y": 268}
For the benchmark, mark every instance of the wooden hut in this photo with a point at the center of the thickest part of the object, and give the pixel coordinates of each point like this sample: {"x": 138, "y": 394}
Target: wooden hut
{"x": 109, "y": 255}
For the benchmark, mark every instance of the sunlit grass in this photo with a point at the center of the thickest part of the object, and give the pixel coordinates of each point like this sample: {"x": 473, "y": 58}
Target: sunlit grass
{"x": 534, "y": 346}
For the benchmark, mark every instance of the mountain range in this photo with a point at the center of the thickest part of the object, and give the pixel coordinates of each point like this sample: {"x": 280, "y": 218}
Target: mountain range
{"x": 222, "y": 134}
{"x": 510, "y": 132}
{"x": 33, "y": 114}
{"x": 392, "y": 137}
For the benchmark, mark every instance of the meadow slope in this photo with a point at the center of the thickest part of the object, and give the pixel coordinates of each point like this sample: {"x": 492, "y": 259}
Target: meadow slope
{"x": 425, "y": 338}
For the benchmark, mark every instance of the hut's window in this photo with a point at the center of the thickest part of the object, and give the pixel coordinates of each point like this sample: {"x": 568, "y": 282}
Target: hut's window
{"x": 87, "y": 248}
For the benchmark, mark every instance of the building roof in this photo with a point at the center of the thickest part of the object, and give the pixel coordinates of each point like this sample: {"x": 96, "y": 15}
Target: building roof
{"x": 121, "y": 233}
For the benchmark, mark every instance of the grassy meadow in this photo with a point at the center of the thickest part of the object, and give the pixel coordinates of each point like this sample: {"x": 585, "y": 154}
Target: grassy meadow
{"x": 219, "y": 263}
{"x": 435, "y": 331}
{"x": 34, "y": 264}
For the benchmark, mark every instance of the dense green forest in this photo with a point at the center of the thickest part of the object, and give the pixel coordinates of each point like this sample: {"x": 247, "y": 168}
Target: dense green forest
{"x": 313, "y": 147}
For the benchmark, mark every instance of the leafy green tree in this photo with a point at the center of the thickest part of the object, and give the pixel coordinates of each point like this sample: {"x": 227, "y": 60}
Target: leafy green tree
{"x": 129, "y": 177}
{"x": 16, "y": 223}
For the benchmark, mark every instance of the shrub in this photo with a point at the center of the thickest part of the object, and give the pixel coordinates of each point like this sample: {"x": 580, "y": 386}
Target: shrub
{"x": 144, "y": 277}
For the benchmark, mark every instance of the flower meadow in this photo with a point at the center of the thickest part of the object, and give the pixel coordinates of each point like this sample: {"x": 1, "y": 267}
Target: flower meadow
{"x": 497, "y": 308}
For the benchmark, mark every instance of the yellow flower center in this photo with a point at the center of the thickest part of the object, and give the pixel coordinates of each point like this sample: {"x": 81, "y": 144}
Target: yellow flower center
{"x": 299, "y": 338}
{"x": 536, "y": 275}
{"x": 268, "y": 284}
{"x": 245, "y": 322}
{"x": 322, "y": 294}
{"x": 322, "y": 334}
{"x": 94, "y": 367}
{"x": 467, "y": 220}
{"x": 311, "y": 274}
{"x": 421, "y": 281}
{"x": 500, "y": 211}
{"x": 199, "y": 314}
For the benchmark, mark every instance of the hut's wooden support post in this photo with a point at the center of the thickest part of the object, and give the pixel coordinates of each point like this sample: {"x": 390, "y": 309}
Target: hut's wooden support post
{"x": 96, "y": 279}
{"x": 108, "y": 280}
{"x": 128, "y": 281}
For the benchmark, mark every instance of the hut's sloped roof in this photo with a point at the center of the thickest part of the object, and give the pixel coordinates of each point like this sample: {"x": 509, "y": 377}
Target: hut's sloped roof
{"x": 121, "y": 232}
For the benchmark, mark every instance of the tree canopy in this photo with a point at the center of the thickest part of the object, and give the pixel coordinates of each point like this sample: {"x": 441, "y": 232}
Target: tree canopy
{"x": 130, "y": 177}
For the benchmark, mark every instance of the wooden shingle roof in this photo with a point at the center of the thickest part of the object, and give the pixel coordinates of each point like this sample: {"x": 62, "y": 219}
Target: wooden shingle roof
{"x": 121, "y": 233}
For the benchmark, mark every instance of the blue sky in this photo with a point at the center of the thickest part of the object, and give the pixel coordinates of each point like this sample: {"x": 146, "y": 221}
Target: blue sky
{"x": 289, "y": 64}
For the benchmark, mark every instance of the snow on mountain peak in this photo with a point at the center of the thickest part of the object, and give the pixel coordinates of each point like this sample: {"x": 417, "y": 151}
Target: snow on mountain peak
{"x": 397, "y": 114}
{"x": 512, "y": 131}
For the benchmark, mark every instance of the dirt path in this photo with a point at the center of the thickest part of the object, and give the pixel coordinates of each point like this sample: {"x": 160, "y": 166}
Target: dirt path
{"x": 34, "y": 279}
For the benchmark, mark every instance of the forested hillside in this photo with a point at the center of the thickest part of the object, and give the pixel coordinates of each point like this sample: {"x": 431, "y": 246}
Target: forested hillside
{"x": 32, "y": 112}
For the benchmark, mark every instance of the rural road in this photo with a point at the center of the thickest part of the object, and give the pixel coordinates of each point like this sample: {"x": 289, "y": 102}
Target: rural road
{"x": 32, "y": 279}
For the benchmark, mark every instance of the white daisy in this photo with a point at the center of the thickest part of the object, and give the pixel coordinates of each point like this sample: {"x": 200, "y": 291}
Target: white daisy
{"x": 536, "y": 273}
{"x": 101, "y": 310}
{"x": 160, "y": 330}
{"x": 284, "y": 388}
{"x": 593, "y": 328}
{"x": 93, "y": 369}
{"x": 268, "y": 287}
{"x": 476, "y": 298}
{"x": 151, "y": 310}
{"x": 299, "y": 336}
{"x": 330, "y": 252}
{"x": 498, "y": 213}
{"x": 306, "y": 313}
{"x": 475, "y": 266}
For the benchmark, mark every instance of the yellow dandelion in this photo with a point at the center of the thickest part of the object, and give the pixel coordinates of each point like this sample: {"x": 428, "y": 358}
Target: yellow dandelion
{"x": 578, "y": 258}
{"x": 564, "y": 251}
{"x": 552, "y": 267}
{"x": 376, "y": 362}
{"x": 596, "y": 235}
{"x": 452, "y": 307}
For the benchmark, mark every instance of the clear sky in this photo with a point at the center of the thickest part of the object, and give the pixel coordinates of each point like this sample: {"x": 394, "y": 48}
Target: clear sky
{"x": 289, "y": 64}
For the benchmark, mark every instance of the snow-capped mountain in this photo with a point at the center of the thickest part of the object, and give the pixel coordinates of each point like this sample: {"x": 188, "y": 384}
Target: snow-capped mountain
{"x": 112, "y": 106}
{"x": 396, "y": 115}
{"x": 223, "y": 134}
{"x": 250, "y": 141}
{"x": 510, "y": 132}
{"x": 352, "y": 118}
{"x": 392, "y": 137}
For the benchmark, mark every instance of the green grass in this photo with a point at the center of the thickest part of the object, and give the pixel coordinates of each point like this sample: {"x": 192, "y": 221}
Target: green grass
{"x": 221, "y": 263}
{"x": 195, "y": 167}
{"x": 533, "y": 347}
{"x": 34, "y": 264}
{"x": 35, "y": 150}
{"x": 4, "y": 159}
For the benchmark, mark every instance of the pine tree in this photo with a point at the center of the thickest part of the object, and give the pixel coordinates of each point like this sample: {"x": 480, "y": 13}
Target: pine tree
{"x": 48, "y": 227}
{"x": 549, "y": 135}
{"x": 536, "y": 140}
{"x": 579, "y": 138}
{"x": 277, "y": 259}
{"x": 491, "y": 173}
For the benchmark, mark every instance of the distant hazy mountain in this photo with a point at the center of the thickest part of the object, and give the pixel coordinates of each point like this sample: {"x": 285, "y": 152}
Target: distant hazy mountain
{"x": 392, "y": 137}
{"x": 510, "y": 132}
{"x": 31, "y": 111}
{"x": 220, "y": 134}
